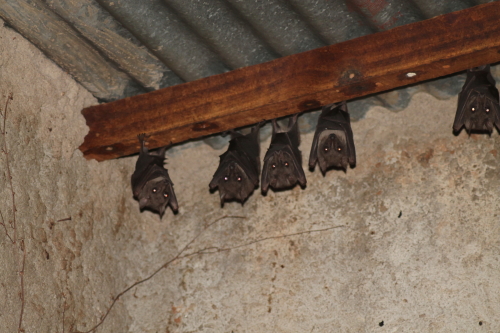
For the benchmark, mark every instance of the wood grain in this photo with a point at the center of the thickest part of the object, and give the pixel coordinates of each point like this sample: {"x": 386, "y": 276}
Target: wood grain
{"x": 370, "y": 64}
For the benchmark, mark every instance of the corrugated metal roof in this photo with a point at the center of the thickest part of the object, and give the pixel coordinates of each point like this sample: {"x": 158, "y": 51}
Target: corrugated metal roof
{"x": 120, "y": 48}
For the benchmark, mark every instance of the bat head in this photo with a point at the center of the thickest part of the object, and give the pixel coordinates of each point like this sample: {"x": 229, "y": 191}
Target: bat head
{"x": 480, "y": 112}
{"x": 281, "y": 171}
{"x": 233, "y": 183}
{"x": 156, "y": 194}
{"x": 332, "y": 150}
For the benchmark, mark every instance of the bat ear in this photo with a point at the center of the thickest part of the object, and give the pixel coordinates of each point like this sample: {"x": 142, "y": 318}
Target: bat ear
{"x": 313, "y": 156}
{"x": 143, "y": 202}
{"x": 489, "y": 127}
{"x": 239, "y": 196}
{"x": 265, "y": 179}
{"x": 214, "y": 183}
{"x": 173, "y": 200}
{"x": 162, "y": 210}
{"x": 352, "y": 158}
{"x": 467, "y": 124}
{"x": 222, "y": 197}
{"x": 301, "y": 177}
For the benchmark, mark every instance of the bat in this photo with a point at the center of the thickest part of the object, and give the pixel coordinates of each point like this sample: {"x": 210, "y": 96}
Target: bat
{"x": 333, "y": 143}
{"x": 478, "y": 109}
{"x": 151, "y": 184}
{"x": 239, "y": 167}
{"x": 283, "y": 161}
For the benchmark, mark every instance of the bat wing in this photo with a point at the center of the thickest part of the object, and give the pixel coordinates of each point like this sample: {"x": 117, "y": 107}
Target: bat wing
{"x": 299, "y": 171}
{"x": 173, "y": 198}
{"x": 265, "y": 179}
{"x": 249, "y": 145}
{"x": 293, "y": 134}
{"x": 495, "y": 109}
{"x": 465, "y": 99}
{"x": 313, "y": 155}
{"x": 266, "y": 175}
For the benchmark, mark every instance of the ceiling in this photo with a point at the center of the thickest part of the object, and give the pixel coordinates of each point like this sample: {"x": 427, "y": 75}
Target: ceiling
{"x": 121, "y": 48}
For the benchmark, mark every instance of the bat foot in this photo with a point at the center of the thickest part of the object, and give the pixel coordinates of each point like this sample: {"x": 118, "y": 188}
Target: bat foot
{"x": 143, "y": 136}
{"x": 142, "y": 141}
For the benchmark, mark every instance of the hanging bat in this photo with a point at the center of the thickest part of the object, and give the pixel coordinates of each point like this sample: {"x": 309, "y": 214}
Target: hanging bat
{"x": 333, "y": 143}
{"x": 478, "y": 109}
{"x": 283, "y": 161}
{"x": 151, "y": 184}
{"x": 238, "y": 172}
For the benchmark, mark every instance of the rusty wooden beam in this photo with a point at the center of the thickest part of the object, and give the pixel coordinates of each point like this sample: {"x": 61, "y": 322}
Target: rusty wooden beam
{"x": 405, "y": 55}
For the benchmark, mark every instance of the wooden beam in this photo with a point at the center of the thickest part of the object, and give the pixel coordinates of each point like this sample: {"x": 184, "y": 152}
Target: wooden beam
{"x": 405, "y": 55}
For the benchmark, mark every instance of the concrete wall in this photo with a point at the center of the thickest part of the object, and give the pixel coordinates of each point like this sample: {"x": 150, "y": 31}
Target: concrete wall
{"x": 409, "y": 239}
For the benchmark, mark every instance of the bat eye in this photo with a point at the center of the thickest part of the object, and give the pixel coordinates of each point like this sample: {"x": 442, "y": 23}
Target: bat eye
{"x": 286, "y": 164}
{"x": 155, "y": 190}
{"x": 238, "y": 179}
{"x": 487, "y": 110}
{"x": 165, "y": 195}
{"x": 226, "y": 178}
{"x": 473, "y": 109}
{"x": 273, "y": 166}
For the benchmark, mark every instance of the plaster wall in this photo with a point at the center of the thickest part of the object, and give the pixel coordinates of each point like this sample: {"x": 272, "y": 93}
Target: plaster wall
{"x": 408, "y": 241}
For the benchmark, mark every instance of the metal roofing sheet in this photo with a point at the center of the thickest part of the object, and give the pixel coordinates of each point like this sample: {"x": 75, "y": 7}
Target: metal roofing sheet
{"x": 119, "y": 48}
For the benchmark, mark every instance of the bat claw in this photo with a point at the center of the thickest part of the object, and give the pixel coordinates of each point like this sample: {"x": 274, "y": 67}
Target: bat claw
{"x": 143, "y": 136}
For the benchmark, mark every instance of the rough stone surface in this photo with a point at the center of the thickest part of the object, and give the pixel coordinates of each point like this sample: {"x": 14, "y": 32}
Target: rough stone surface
{"x": 415, "y": 248}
